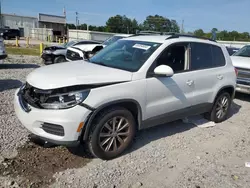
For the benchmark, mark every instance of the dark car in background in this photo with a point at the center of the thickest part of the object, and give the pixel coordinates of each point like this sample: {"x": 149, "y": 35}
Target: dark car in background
{"x": 232, "y": 50}
{"x": 10, "y": 33}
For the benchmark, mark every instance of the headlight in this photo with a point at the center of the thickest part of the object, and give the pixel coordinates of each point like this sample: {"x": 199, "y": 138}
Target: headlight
{"x": 63, "y": 101}
{"x": 47, "y": 52}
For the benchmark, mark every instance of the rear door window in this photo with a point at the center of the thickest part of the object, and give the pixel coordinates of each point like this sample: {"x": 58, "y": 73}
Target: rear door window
{"x": 201, "y": 56}
{"x": 218, "y": 56}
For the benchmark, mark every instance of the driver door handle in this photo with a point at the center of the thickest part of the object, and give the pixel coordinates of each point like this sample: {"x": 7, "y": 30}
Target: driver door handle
{"x": 190, "y": 82}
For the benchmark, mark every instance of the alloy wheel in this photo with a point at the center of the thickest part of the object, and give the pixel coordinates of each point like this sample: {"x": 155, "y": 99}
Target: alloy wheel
{"x": 222, "y": 107}
{"x": 114, "y": 134}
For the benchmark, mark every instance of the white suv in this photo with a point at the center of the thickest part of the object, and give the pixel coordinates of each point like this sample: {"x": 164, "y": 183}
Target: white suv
{"x": 132, "y": 84}
{"x": 241, "y": 60}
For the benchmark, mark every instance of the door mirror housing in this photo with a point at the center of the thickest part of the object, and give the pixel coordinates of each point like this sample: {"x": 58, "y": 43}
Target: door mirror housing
{"x": 164, "y": 70}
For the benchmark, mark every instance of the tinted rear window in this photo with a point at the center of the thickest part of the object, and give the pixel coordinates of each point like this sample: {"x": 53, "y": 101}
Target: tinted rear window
{"x": 218, "y": 56}
{"x": 205, "y": 56}
{"x": 201, "y": 56}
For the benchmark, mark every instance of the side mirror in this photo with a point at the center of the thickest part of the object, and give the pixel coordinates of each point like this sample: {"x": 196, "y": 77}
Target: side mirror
{"x": 164, "y": 70}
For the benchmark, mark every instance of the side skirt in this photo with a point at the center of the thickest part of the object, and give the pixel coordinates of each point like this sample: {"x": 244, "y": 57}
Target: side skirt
{"x": 175, "y": 115}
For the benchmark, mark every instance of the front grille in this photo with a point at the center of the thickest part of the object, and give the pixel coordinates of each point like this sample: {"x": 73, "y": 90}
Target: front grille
{"x": 73, "y": 56}
{"x": 53, "y": 129}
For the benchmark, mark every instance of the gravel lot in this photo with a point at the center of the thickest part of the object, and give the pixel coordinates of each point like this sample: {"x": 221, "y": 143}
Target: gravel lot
{"x": 172, "y": 155}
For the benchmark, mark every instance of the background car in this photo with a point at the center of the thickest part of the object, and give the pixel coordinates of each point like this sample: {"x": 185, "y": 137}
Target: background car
{"x": 78, "y": 52}
{"x": 241, "y": 61}
{"x": 232, "y": 50}
{"x": 10, "y": 33}
{"x": 56, "y": 54}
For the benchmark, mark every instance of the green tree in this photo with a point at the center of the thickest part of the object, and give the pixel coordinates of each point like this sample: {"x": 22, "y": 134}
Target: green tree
{"x": 214, "y": 30}
{"x": 157, "y": 23}
{"x": 71, "y": 26}
{"x": 121, "y": 24}
{"x": 199, "y": 33}
{"x": 234, "y": 35}
{"x": 114, "y": 24}
{"x": 174, "y": 26}
{"x": 82, "y": 27}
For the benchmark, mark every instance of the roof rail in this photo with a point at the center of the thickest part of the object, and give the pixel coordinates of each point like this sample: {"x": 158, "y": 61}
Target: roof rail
{"x": 177, "y": 35}
{"x": 140, "y": 33}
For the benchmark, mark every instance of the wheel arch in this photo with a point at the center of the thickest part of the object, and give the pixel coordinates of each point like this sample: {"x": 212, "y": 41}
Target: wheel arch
{"x": 130, "y": 104}
{"x": 229, "y": 88}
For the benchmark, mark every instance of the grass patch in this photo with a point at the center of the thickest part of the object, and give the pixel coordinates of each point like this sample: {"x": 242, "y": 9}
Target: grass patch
{"x": 23, "y": 51}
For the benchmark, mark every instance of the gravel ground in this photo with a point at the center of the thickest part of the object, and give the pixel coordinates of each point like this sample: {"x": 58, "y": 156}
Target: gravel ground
{"x": 172, "y": 155}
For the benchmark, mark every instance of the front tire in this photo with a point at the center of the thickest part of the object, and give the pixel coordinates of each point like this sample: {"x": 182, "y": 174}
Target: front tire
{"x": 112, "y": 133}
{"x": 59, "y": 59}
{"x": 220, "y": 108}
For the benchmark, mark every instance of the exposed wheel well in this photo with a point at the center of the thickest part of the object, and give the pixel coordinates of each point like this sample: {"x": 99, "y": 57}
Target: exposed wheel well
{"x": 132, "y": 106}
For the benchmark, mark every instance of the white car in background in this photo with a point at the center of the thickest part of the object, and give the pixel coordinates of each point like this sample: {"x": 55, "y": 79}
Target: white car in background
{"x": 241, "y": 61}
{"x": 3, "y": 53}
{"x": 78, "y": 52}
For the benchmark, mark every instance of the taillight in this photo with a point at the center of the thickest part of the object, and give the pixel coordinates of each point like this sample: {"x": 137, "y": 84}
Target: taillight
{"x": 236, "y": 71}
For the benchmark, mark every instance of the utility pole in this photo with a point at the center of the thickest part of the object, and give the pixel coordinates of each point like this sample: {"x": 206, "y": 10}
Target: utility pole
{"x": 182, "y": 27}
{"x": 77, "y": 19}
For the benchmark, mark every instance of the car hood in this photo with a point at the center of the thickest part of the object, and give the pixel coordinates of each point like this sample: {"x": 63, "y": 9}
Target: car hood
{"x": 75, "y": 73}
{"x": 53, "y": 48}
{"x": 86, "y": 47}
{"x": 241, "y": 62}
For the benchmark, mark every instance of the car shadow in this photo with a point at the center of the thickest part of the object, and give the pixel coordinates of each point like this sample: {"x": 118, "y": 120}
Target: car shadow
{"x": 9, "y": 84}
{"x": 243, "y": 97}
{"x": 146, "y": 136}
{"x": 235, "y": 108}
{"x": 79, "y": 150}
{"x": 18, "y": 66}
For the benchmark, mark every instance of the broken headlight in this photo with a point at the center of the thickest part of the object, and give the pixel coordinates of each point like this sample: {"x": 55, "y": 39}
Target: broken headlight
{"x": 64, "y": 101}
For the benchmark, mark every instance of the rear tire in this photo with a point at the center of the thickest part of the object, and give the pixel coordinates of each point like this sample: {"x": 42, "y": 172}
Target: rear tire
{"x": 112, "y": 133}
{"x": 59, "y": 59}
{"x": 220, "y": 108}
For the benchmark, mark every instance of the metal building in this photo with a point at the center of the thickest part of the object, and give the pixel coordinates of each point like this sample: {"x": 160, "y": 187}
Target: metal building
{"x": 57, "y": 23}
{"x": 23, "y": 23}
{"x": 33, "y": 26}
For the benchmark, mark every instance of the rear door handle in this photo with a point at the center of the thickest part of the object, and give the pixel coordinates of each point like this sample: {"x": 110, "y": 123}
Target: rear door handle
{"x": 220, "y": 77}
{"x": 190, "y": 82}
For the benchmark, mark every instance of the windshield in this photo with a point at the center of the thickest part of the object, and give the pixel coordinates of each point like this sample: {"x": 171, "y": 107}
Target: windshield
{"x": 112, "y": 40}
{"x": 68, "y": 44}
{"x": 244, "y": 52}
{"x": 125, "y": 54}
